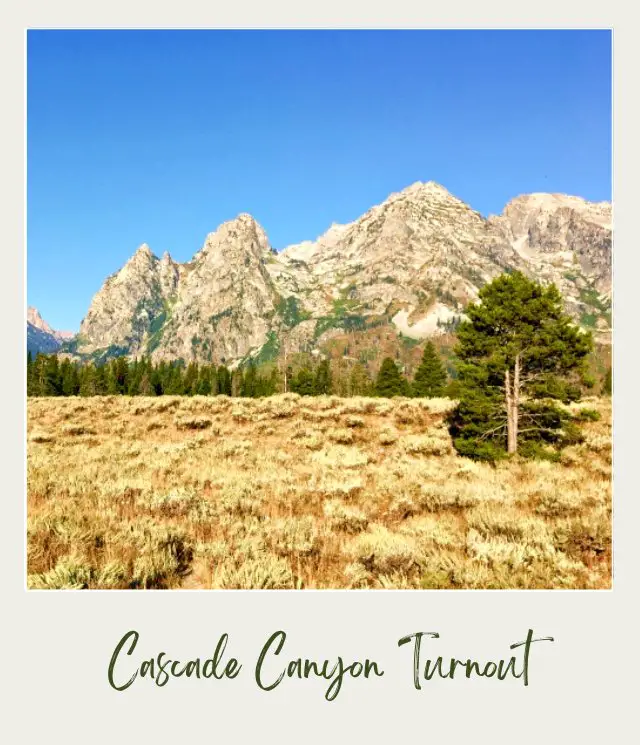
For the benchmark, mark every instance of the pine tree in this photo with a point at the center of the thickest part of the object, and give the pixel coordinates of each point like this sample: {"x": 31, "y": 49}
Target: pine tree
{"x": 273, "y": 383}
{"x": 518, "y": 351}
{"x": 49, "y": 381}
{"x": 390, "y": 382}
{"x": 204, "y": 381}
{"x": 236, "y": 383}
{"x": 173, "y": 380}
{"x": 144, "y": 387}
{"x": 31, "y": 377}
{"x": 157, "y": 388}
{"x": 287, "y": 378}
{"x": 322, "y": 382}
{"x": 213, "y": 380}
{"x": 359, "y": 381}
{"x": 431, "y": 377}
{"x": 69, "y": 378}
{"x": 133, "y": 378}
{"x": 190, "y": 382}
{"x": 117, "y": 374}
{"x": 224, "y": 381}
{"x": 303, "y": 382}
{"x": 606, "y": 383}
{"x": 88, "y": 381}
{"x": 100, "y": 378}
{"x": 249, "y": 382}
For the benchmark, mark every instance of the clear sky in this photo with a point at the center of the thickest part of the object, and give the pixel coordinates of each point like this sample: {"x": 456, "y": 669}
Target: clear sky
{"x": 160, "y": 136}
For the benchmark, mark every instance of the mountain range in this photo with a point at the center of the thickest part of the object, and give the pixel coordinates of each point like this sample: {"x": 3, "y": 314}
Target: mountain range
{"x": 41, "y": 337}
{"x": 410, "y": 265}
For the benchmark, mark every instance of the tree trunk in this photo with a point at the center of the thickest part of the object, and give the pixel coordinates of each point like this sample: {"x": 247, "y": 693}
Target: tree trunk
{"x": 513, "y": 406}
{"x": 285, "y": 369}
{"x": 516, "y": 403}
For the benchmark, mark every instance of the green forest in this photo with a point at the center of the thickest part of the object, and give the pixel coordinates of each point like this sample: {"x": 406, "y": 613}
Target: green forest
{"x": 47, "y": 375}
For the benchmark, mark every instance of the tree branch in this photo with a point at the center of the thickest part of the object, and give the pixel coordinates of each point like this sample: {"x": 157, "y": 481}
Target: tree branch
{"x": 501, "y": 427}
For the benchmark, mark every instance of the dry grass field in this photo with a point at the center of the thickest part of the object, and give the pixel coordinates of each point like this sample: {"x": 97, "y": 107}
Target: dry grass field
{"x": 290, "y": 492}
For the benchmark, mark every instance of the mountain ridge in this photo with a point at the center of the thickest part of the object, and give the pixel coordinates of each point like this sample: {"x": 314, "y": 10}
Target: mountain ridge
{"x": 413, "y": 262}
{"x": 40, "y": 336}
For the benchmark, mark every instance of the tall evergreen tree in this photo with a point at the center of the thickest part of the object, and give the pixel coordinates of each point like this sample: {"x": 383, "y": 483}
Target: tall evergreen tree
{"x": 390, "y": 381}
{"x": 31, "y": 378}
{"x": 117, "y": 376}
{"x": 236, "y": 382}
{"x": 431, "y": 377}
{"x": 322, "y": 382}
{"x": 69, "y": 378}
{"x": 100, "y": 377}
{"x": 203, "y": 387}
{"x": 190, "y": 382}
{"x": 250, "y": 383}
{"x": 359, "y": 381}
{"x": 224, "y": 380}
{"x": 144, "y": 387}
{"x": 49, "y": 379}
{"x": 213, "y": 380}
{"x": 272, "y": 384}
{"x": 518, "y": 351}
{"x": 89, "y": 381}
{"x": 606, "y": 383}
{"x": 303, "y": 382}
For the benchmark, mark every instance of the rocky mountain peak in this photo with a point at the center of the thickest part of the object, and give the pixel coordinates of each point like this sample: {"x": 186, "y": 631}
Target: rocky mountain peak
{"x": 35, "y": 319}
{"x": 40, "y": 336}
{"x": 236, "y": 236}
{"x": 527, "y": 209}
{"x": 411, "y": 263}
{"x": 566, "y": 230}
{"x": 423, "y": 204}
{"x": 427, "y": 189}
{"x": 143, "y": 252}
{"x": 142, "y": 261}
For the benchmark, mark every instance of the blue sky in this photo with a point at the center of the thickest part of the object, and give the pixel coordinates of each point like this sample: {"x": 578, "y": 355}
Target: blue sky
{"x": 159, "y": 136}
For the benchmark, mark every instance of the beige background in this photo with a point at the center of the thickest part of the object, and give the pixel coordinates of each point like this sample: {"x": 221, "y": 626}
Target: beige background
{"x": 56, "y": 645}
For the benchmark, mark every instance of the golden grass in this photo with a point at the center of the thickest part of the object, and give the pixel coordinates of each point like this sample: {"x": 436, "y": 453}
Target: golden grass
{"x": 287, "y": 492}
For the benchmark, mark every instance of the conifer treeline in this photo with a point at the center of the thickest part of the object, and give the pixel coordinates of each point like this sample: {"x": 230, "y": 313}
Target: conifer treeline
{"x": 47, "y": 375}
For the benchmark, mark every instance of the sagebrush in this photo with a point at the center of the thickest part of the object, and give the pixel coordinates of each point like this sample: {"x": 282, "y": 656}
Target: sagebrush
{"x": 288, "y": 492}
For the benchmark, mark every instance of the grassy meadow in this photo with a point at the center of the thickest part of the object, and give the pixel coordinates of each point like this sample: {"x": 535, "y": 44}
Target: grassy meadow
{"x": 290, "y": 492}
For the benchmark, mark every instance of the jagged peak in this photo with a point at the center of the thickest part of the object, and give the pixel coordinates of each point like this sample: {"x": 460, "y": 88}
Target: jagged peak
{"x": 429, "y": 192}
{"x": 143, "y": 256}
{"x": 35, "y": 319}
{"x": 244, "y": 221}
{"x": 547, "y": 204}
{"x": 427, "y": 187}
{"x": 166, "y": 258}
{"x": 243, "y": 224}
{"x": 556, "y": 199}
{"x": 33, "y": 315}
{"x": 245, "y": 217}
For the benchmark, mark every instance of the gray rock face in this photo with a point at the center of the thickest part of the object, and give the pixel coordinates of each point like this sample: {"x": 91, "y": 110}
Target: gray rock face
{"x": 40, "y": 341}
{"x": 130, "y": 304}
{"x": 555, "y": 228}
{"x": 41, "y": 337}
{"x": 226, "y": 300}
{"x": 421, "y": 256}
{"x": 415, "y": 260}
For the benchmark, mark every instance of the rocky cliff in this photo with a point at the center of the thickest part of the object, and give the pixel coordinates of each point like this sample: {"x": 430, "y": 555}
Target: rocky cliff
{"x": 41, "y": 337}
{"x": 412, "y": 262}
